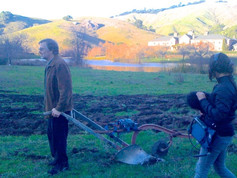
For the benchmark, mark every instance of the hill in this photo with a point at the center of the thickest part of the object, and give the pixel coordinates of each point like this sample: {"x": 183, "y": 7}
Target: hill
{"x": 215, "y": 17}
{"x": 118, "y": 31}
{"x": 10, "y": 23}
{"x": 92, "y": 29}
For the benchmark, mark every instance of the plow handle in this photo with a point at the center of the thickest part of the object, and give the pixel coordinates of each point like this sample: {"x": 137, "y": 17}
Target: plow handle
{"x": 84, "y": 127}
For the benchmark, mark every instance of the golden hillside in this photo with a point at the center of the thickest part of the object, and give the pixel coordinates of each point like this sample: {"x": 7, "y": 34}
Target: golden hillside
{"x": 215, "y": 17}
{"x": 96, "y": 30}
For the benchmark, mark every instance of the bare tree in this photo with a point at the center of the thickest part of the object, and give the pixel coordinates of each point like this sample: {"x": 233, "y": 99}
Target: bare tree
{"x": 162, "y": 51}
{"x": 79, "y": 45}
{"x": 12, "y": 48}
{"x": 201, "y": 50}
{"x": 185, "y": 50}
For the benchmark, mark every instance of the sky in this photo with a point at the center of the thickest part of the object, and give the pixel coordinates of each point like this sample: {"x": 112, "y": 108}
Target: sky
{"x": 57, "y": 9}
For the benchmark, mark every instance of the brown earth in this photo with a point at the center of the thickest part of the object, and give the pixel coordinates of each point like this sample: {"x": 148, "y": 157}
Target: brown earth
{"x": 22, "y": 114}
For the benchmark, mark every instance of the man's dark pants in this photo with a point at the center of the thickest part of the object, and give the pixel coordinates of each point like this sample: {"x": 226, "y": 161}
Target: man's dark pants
{"x": 57, "y": 136}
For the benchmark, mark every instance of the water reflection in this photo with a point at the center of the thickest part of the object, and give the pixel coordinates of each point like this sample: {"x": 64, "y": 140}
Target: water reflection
{"x": 117, "y": 66}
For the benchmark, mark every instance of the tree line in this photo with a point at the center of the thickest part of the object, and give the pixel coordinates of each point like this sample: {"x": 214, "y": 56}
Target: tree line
{"x": 15, "y": 48}
{"x": 134, "y": 53}
{"x": 155, "y": 11}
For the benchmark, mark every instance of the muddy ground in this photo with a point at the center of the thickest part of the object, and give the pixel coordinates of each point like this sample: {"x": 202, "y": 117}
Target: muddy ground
{"x": 22, "y": 114}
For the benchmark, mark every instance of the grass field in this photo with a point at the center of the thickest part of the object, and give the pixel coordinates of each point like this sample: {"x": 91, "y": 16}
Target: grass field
{"x": 29, "y": 80}
{"x": 22, "y": 156}
{"x": 89, "y": 157}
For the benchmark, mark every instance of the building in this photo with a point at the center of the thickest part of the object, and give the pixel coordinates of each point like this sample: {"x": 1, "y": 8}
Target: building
{"x": 168, "y": 41}
{"x": 185, "y": 39}
{"x": 217, "y": 41}
{"x": 235, "y": 47}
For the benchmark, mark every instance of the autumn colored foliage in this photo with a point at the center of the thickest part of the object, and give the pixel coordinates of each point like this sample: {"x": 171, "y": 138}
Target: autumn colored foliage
{"x": 129, "y": 53}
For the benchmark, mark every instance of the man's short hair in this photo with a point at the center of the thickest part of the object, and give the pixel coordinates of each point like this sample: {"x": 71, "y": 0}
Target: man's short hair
{"x": 51, "y": 44}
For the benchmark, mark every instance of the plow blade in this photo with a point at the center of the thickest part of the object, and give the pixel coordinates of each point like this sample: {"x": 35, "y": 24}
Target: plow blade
{"x": 134, "y": 154}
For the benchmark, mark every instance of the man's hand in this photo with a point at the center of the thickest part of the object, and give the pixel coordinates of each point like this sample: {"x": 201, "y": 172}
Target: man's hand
{"x": 200, "y": 95}
{"x": 55, "y": 113}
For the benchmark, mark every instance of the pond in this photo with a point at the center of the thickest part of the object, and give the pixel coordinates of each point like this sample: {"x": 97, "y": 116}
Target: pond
{"x": 108, "y": 65}
{"x": 117, "y": 66}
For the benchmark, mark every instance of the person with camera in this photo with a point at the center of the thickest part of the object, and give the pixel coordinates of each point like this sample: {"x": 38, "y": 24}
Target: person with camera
{"x": 219, "y": 108}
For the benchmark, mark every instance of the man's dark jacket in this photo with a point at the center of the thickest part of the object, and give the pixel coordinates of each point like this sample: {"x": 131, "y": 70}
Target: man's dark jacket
{"x": 220, "y": 106}
{"x": 58, "y": 89}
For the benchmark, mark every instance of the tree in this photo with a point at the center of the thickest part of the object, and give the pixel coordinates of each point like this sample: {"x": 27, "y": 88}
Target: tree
{"x": 12, "y": 48}
{"x": 185, "y": 50}
{"x": 151, "y": 29}
{"x": 162, "y": 51}
{"x": 138, "y": 23}
{"x": 67, "y": 18}
{"x": 78, "y": 43}
{"x": 202, "y": 49}
{"x": 225, "y": 47}
{"x": 97, "y": 51}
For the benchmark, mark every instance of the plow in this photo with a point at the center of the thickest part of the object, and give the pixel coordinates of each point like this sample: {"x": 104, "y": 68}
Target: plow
{"x": 126, "y": 153}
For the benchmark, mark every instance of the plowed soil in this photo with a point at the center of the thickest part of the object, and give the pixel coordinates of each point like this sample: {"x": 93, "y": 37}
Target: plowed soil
{"x": 22, "y": 114}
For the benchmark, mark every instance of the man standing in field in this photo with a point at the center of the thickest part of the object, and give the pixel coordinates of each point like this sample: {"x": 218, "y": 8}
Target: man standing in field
{"x": 58, "y": 99}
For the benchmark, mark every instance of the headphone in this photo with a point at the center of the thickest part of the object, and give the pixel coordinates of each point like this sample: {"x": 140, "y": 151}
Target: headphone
{"x": 216, "y": 56}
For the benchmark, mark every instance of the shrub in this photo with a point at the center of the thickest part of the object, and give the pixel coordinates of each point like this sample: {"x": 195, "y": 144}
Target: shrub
{"x": 29, "y": 62}
{"x": 3, "y": 61}
{"x": 67, "y": 18}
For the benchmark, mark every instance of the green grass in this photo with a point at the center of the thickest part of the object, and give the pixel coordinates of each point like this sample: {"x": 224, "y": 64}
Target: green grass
{"x": 126, "y": 113}
{"x": 28, "y": 157}
{"x": 20, "y": 104}
{"x": 29, "y": 81}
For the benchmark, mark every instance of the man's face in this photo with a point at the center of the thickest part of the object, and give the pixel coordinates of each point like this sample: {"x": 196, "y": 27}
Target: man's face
{"x": 44, "y": 52}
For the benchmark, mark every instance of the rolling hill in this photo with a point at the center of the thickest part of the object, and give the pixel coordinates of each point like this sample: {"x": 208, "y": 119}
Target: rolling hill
{"x": 215, "y": 17}
{"x": 94, "y": 30}
{"x": 10, "y": 23}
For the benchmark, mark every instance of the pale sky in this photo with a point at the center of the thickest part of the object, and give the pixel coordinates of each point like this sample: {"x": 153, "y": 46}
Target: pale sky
{"x": 56, "y": 9}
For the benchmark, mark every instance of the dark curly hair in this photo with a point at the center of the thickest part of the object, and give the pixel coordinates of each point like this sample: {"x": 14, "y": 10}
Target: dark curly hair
{"x": 220, "y": 63}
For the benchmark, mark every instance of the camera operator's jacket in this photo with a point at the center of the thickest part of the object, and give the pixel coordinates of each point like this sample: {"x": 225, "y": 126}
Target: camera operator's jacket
{"x": 58, "y": 86}
{"x": 221, "y": 105}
